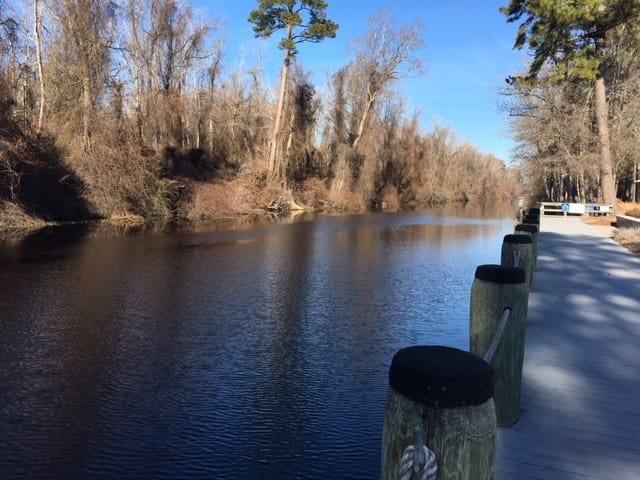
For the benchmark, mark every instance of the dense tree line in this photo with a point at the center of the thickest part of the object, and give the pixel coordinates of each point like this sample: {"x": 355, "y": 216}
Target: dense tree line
{"x": 133, "y": 104}
{"x": 576, "y": 111}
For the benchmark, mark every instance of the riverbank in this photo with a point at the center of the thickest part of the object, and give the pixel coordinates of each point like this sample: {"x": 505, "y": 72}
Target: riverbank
{"x": 239, "y": 201}
{"x": 239, "y": 204}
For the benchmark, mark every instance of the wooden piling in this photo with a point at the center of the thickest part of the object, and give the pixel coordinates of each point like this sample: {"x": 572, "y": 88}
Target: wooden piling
{"x": 532, "y": 231}
{"x": 448, "y": 393}
{"x": 534, "y": 211}
{"x": 517, "y": 251}
{"x": 495, "y": 288}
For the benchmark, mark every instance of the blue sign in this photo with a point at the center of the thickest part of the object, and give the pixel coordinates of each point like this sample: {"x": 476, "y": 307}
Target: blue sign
{"x": 591, "y": 207}
{"x": 565, "y": 207}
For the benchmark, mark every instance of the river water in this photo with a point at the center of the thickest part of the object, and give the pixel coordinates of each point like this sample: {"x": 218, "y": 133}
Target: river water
{"x": 253, "y": 353}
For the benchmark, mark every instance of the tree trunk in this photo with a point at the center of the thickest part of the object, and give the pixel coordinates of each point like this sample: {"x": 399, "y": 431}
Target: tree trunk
{"x": 139, "y": 119}
{"x": 275, "y": 168}
{"x": 87, "y": 105}
{"x": 210, "y": 135}
{"x": 363, "y": 121}
{"x": 607, "y": 177}
{"x": 38, "y": 29}
{"x": 634, "y": 184}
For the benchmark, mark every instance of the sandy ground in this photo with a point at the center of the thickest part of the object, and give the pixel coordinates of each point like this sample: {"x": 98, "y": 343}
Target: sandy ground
{"x": 604, "y": 224}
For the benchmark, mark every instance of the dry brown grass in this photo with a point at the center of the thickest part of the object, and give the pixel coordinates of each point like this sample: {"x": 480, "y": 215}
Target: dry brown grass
{"x": 629, "y": 238}
{"x": 223, "y": 200}
{"x": 631, "y": 209}
{"x": 600, "y": 220}
{"x": 13, "y": 216}
{"x": 120, "y": 180}
{"x": 345, "y": 202}
{"x": 391, "y": 198}
{"x": 248, "y": 196}
{"x": 126, "y": 219}
{"x": 313, "y": 193}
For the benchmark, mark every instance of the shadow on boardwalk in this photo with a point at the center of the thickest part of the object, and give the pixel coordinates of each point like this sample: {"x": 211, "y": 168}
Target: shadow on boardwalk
{"x": 581, "y": 390}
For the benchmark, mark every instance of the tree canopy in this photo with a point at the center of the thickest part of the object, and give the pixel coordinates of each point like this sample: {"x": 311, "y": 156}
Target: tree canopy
{"x": 305, "y": 21}
{"x": 572, "y": 35}
{"x": 568, "y": 33}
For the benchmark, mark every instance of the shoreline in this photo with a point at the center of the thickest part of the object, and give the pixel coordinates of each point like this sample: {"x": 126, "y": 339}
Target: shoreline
{"x": 628, "y": 238}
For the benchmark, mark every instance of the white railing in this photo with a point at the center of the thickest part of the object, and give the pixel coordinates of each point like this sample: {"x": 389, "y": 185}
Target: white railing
{"x": 567, "y": 208}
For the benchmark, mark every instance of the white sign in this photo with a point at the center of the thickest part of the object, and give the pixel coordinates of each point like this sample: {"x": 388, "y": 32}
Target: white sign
{"x": 578, "y": 208}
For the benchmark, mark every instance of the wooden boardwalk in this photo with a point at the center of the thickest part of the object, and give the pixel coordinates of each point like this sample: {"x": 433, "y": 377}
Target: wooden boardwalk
{"x": 581, "y": 382}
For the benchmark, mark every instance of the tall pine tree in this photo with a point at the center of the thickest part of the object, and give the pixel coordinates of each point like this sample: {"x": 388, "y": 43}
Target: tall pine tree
{"x": 572, "y": 34}
{"x": 302, "y": 21}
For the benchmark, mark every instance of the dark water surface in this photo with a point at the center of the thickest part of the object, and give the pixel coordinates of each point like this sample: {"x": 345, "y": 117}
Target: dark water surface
{"x": 256, "y": 353}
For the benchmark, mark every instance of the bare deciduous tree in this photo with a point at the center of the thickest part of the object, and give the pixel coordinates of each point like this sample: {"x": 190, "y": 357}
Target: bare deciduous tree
{"x": 386, "y": 54}
{"x": 87, "y": 26}
{"x": 37, "y": 30}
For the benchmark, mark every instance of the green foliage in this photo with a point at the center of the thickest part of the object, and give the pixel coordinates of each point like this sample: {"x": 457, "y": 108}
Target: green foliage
{"x": 304, "y": 21}
{"x": 569, "y": 33}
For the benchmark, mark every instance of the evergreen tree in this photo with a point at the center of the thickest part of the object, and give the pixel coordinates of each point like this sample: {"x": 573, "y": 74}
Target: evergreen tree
{"x": 572, "y": 35}
{"x": 303, "y": 21}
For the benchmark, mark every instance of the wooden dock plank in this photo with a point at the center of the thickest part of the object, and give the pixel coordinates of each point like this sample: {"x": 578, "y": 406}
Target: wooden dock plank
{"x": 581, "y": 381}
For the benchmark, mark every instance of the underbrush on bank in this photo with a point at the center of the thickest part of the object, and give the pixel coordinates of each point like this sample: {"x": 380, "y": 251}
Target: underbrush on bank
{"x": 629, "y": 209}
{"x": 44, "y": 178}
{"x": 36, "y": 184}
{"x": 629, "y": 238}
{"x": 315, "y": 195}
{"x": 13, "y": 216}
{"x": 211, "y": 202}
{"x": 254, "y": 197}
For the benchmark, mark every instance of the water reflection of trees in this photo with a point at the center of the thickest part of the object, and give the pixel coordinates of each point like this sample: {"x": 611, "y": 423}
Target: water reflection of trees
{"x": 282, "y": 333}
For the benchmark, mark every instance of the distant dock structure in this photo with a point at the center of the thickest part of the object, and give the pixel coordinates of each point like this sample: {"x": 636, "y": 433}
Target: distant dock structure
{"x": 573, "y": 209}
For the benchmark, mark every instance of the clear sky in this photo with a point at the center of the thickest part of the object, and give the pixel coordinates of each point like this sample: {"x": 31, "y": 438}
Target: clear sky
{"x": 467, "y": 57}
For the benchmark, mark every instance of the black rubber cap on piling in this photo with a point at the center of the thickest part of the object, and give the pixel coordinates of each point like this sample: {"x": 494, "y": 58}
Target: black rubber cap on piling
{"x": 534, "y": 211}
{"x": 500, "y": 274}
{"x": 442, "y": 377}
{"x": 511, "y": 238}
{"x": 526, "y": 227}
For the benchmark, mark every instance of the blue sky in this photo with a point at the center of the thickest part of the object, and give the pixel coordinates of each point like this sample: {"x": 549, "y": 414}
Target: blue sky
{"x": 467, "y": 57}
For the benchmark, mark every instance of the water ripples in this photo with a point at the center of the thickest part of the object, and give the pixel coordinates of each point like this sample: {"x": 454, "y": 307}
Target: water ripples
{"x": 137, "y": 358}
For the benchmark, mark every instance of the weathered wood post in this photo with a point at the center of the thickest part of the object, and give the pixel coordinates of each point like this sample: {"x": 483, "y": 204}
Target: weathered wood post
{"x": 495, "y": 288}
{"x": 532, "y": 231}
{"x": 517, "y": 251}
{"x": 521, "y": 209}
{"x": 532, "y": 219}
{"x": 448, "y": 394}
{"x": 534, "y": 212}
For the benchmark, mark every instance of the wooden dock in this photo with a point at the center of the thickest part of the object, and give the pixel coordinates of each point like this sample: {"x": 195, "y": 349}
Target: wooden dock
{"x": 580, "y": 414}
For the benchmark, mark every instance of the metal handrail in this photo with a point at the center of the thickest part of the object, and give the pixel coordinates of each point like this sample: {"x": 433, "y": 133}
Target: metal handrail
{"x": 506, "y": 314}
